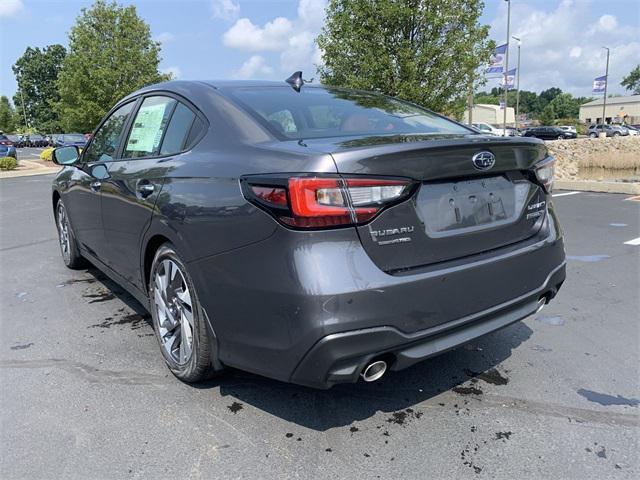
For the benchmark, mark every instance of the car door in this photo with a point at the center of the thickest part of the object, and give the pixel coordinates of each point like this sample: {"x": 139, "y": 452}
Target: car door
{"x": 157, "y": 133}
{"x": 82, "y": 197}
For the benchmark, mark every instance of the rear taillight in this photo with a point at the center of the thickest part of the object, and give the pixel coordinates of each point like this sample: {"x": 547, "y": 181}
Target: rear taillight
{"x": 545, "y": 171}
{"x": 6, "y": 142}
{"x": 325, "y": 202}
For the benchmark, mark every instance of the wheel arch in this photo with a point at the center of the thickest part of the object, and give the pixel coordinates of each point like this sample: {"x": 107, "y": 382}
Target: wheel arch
{"x": 55, "y": 196}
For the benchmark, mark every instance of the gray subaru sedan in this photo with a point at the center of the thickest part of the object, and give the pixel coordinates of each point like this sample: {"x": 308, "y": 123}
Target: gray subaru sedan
{"x": 310, "y": 234}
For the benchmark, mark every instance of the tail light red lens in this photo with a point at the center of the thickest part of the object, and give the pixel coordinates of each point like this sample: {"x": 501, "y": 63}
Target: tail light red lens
{"x": 323, "y": 202}
{"x": 545, "y": 173}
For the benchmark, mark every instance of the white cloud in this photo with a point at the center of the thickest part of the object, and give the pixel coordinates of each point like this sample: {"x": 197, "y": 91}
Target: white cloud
{"x": 561, "y": 47}
{"x": 9, "y": 8}
{"x": 165, "y": 37}
{"x": 607, "y": 23}
{"x": 293, "y": 39}
{"x": 244, "y": 35}
{"x": 175, "y": 72}
{"x": 254, "y": 66}
{"x": 225, "y": 9}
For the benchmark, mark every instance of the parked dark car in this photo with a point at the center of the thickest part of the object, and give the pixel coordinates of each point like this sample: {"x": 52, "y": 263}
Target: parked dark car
{"x": 71, "y": 139}
{"x": 7, "y": 148}
{"x": 36, "y": 140}
{"x": 312, "y": 235}
{"x": 549, "y": 133}
{"x": 610, "y": 130}
{"x": 19, "y": 141}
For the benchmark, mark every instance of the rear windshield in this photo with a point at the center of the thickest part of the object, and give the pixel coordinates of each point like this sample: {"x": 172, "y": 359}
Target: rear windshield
{"x": 325, "y": 112}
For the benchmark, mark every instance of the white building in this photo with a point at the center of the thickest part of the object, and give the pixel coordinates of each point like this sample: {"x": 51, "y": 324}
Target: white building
{"x": 618, "y": 109}
{"x": 491, "y": 114}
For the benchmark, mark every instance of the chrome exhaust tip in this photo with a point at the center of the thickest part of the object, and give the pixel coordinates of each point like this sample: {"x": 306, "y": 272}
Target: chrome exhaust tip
{"x": 374, "y": 371}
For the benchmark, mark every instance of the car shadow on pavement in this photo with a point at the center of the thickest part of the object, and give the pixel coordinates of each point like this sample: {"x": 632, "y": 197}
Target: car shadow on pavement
{"x": 465, "y": 370}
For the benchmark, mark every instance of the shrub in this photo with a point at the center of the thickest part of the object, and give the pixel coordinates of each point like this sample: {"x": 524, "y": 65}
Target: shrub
{"x": 8, "y": 163}
{"x": 47, "y": 154}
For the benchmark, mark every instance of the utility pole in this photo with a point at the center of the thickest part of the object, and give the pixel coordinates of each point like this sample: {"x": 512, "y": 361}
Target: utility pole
{"x": 470, "y": 102}
{"x": 606, "y": 83}
{"x": 24, "y": 111}
{"x": 518, "y": 81}
{"x": 506, "y": 70}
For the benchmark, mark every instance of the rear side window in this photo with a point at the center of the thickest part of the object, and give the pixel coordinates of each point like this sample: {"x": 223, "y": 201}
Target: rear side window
{"x": 149, "y": 126}
{"x": 197, "y": 129}
{"x": 179, "y": 127}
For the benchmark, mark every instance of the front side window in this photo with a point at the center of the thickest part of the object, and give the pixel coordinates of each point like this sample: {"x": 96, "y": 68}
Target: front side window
{"x": 107, "y": 139}
{"x": 332, "y": 112}
{"x": 149, "y": 126}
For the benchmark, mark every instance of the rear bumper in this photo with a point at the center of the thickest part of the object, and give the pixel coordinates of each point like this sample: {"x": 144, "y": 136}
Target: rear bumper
{"x": 312, "y": 307}
{"x": 341, "y": 357}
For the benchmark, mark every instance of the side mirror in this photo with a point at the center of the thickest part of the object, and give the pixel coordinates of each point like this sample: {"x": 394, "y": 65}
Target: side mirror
{"x": 65, "y": 155}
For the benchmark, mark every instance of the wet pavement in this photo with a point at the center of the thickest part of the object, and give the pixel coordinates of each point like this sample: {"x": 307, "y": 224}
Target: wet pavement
{"x": 85, "y": 393}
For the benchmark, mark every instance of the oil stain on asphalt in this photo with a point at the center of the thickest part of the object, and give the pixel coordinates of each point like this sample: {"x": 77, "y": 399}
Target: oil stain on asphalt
{"x": 607, "y": 400}
{"x": 235, "y": 407}
{"x": 492, "y": 376}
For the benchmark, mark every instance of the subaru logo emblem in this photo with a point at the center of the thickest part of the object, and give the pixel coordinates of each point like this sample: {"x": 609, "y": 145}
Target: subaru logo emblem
{"x": 483, "y": 160}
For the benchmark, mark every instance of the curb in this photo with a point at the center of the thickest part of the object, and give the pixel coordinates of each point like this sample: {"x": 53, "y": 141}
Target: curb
{"x": 630, "y": 188}
{"x": 32, "y": 168}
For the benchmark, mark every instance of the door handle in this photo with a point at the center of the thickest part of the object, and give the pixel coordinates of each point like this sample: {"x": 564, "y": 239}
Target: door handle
{"x": 145, "y": 189}
{"x": 95, "y": 186}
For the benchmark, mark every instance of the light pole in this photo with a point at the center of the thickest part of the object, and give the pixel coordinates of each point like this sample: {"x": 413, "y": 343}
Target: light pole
{"x": 24, "y": 111}
{"x": 506, "y": 70}
{"x": 606, "y": 82}
{"x": 518, "y": 80}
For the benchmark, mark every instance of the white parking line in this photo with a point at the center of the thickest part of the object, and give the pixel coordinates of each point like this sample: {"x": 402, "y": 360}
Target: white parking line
{"x": 635, "y": 241}
{"x": 564, "y": 194}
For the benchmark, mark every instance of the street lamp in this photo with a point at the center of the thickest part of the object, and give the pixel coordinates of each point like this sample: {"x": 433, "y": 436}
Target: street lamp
{"x": 518, "y": 79}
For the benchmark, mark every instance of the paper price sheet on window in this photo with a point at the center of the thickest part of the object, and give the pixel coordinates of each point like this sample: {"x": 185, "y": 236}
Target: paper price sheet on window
{"x": 147, "y": 130}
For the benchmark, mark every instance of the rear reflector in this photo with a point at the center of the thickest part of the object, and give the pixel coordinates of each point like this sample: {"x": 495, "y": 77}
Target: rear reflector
{"x": 323, "y": 202}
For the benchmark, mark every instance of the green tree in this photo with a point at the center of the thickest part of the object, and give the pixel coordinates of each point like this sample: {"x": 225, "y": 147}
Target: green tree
{"x": 111, "y": 54}
{"x": 36, "y": 73}
{"x": 632, "y": 81}
{"x": 565, "y": 106}
{"x": 424, "y": 51}
{"x": 547, "y": 96}
{"x": 7, "y": 115}
{"x": 548, "y": 115}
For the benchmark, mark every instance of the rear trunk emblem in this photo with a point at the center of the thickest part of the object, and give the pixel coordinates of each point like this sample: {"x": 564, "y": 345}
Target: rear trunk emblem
{"x": 483, "y": 160}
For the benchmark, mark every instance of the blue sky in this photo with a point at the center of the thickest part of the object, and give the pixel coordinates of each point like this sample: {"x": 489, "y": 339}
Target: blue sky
{"x": 205, "y": 39}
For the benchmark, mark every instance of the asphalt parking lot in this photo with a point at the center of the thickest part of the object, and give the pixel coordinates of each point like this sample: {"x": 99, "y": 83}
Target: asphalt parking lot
{"x": 85, "y": 393}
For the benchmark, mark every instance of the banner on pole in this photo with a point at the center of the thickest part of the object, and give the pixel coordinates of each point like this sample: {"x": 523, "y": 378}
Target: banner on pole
{"x": 496, "y": 61}
{"x": 510, "y": 80}
{"x": 599, "y": 84}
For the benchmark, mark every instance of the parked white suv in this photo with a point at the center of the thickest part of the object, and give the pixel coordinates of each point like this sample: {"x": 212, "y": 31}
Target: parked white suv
{"x": 486, "y": 128}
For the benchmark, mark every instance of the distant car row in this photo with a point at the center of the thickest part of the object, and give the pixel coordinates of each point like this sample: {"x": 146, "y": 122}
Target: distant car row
{"x": 51, "y": 140}
{"x": 561, "y": 132}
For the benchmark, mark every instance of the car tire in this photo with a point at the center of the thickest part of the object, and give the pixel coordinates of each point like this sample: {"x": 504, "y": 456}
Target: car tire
{"x": 593, "y": 135}
{"x": 560, "y": 137}
{"x": 616, "y": 134}
{"x": 178, "y": 316}
{"x": 67, "y": 240}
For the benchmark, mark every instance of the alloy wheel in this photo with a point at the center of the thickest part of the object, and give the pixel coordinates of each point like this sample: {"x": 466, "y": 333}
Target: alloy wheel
{"x": 174, "y": 309}
{"x": 63, "y": 233}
